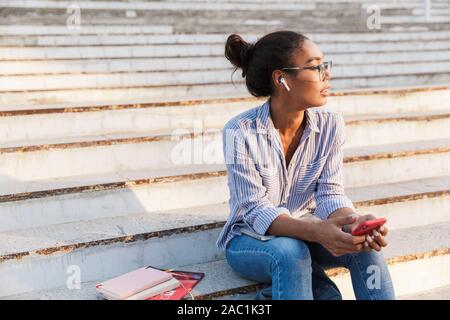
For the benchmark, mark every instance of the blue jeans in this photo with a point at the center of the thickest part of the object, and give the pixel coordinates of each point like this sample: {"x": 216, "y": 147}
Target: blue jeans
{"x": 293, "y": 269}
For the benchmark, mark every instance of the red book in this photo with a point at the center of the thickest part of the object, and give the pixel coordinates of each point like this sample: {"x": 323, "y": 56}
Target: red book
{"x": 188, "y": 281}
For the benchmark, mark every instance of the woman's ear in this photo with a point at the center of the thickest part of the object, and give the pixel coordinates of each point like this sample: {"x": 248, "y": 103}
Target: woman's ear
{"x": 277, "y": 75}
{"x": 279, "y": 80}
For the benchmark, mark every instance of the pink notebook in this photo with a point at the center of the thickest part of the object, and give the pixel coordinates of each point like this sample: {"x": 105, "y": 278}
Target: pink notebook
{"x": 133, "y": 282}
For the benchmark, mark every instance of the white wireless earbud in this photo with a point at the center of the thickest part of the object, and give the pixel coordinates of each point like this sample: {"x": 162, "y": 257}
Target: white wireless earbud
{"x": 283, "y": 82}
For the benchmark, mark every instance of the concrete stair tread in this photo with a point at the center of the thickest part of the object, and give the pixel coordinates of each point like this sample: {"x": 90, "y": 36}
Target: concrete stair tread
{"x": 149, "y": 223}
{"x": 27, "y": 189}
{"x": 104, "y": 69}
{"x": 412, "y": 243}
{"x": 197, "y": 49}
{"x": 94, "y": 51}
{"x": 87, "y": 29}
{"x": 440, "y": 293}
{"x": 205, "y": 90}
{"x": 393, "y": 116}
{"x": 398, "y": 189}
{"x": 408, "y": 147}
{"x": 72, "y": 235}
{"x": 86, "y": 104}
{"x": 75, "y": 141}
{"x": 120, "y": 104}
{"x": 162, "y": 81}
{"x": 220, "y": 38}
{"x": 160, "y": 5}
{"x": 84, "y": 139}
{"x": 124, "y": 176}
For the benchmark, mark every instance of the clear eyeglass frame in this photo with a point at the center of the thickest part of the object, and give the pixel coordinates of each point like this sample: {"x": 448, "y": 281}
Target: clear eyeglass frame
{"x": 321, "y": 68}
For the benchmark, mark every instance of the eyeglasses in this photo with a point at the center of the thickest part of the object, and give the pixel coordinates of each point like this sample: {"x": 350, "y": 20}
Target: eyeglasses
{"x": 321, "y": 69}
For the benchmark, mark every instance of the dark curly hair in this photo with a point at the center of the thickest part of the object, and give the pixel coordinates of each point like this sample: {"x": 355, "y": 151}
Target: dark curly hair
{"x": 258, "y": 60}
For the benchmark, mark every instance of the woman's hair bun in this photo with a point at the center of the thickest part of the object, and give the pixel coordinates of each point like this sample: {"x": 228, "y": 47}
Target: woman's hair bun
{"x": 238, "y": 52}
{"x": 260, "y": 59}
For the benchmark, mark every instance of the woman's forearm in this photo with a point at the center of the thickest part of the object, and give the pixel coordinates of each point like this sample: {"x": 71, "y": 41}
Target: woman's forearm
{"x": 299, "y": 228}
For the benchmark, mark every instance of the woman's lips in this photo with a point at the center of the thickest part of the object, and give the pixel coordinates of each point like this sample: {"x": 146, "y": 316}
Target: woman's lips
{"x": 324, "y": 91}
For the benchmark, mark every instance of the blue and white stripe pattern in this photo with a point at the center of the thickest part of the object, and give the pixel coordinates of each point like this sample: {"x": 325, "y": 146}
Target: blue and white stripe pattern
{"x": 262, "y": 187}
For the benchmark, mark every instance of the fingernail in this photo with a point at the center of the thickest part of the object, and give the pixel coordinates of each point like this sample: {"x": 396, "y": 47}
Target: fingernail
{"x": 369, "y": 239}
{"x": 375, "y": 233}
{"x": 382, "y": 229}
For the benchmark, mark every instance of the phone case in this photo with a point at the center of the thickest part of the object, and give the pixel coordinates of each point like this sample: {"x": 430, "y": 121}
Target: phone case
{"x": 367, "y": 226}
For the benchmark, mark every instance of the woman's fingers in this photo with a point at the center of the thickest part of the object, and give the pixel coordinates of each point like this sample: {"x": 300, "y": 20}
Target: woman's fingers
{"x": 369, "y": 217}
{"x": 349, "y": 243}
{"x": 383, "y": 230}
{"x": 350, "y": 247}
{"x": 349, "y": 239}
{"x": 358, "y": 239}
{"x": 372, "y": 243}
{"x": 354, "y": 244}
{"x": 379, "y": 238}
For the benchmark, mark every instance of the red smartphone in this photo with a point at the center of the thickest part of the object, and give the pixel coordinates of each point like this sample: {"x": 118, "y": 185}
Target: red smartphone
{"x": 367, "y": 226}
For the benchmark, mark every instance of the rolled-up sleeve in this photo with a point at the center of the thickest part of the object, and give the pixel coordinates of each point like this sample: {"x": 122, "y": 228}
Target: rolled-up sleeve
{"x": 247, "y": 193}
{"x": 330, "y": 194}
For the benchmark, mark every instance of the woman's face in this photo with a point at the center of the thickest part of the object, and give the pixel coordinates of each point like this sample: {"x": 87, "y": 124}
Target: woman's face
{"x": 307, "y": 87}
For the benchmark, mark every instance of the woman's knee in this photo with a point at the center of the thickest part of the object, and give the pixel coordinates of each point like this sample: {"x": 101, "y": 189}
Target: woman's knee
{"x": 369, "y": 263}
{"x": 248, "y": 259}
{"x": 372, "y": 257}
{"x": 289, "y": 250}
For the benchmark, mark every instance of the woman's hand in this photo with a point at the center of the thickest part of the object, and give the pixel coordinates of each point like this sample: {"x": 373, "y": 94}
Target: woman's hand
{"x": 376, "y": 239}
{"x": 336, "y": 241}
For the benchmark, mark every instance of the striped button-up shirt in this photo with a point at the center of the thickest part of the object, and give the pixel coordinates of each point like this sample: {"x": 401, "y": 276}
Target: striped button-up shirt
{"x": 262, "y": 187}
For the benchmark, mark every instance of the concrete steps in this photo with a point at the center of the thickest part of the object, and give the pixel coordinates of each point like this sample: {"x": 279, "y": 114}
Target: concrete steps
{"x": 195, "y": 17}
{"x": 27, "y": 30}
{"x": 131, "y": 37}
{"x": 158, "y": 5}
{"x": 90, "y": 174}
{"x": 200, "y": 15}
{"x": 35, "y": 122}
{"x": 362, "y": 64}
{"x": 126, "y": 71}
{"x": 171, "y": 115}
{"x": 166, "y": 66}
{"x": 37, "y": 36}
{"x": 368, "y": 136}
{"x": 27, "y": 204}
{"x": 182, "y": 92}
{"x": 441, "y": 293}
{"x": 341, "y": 77}
{"x": 170, "y": 50}
{"x": 424, "y": 192}
{"x": 422, "y": 250}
